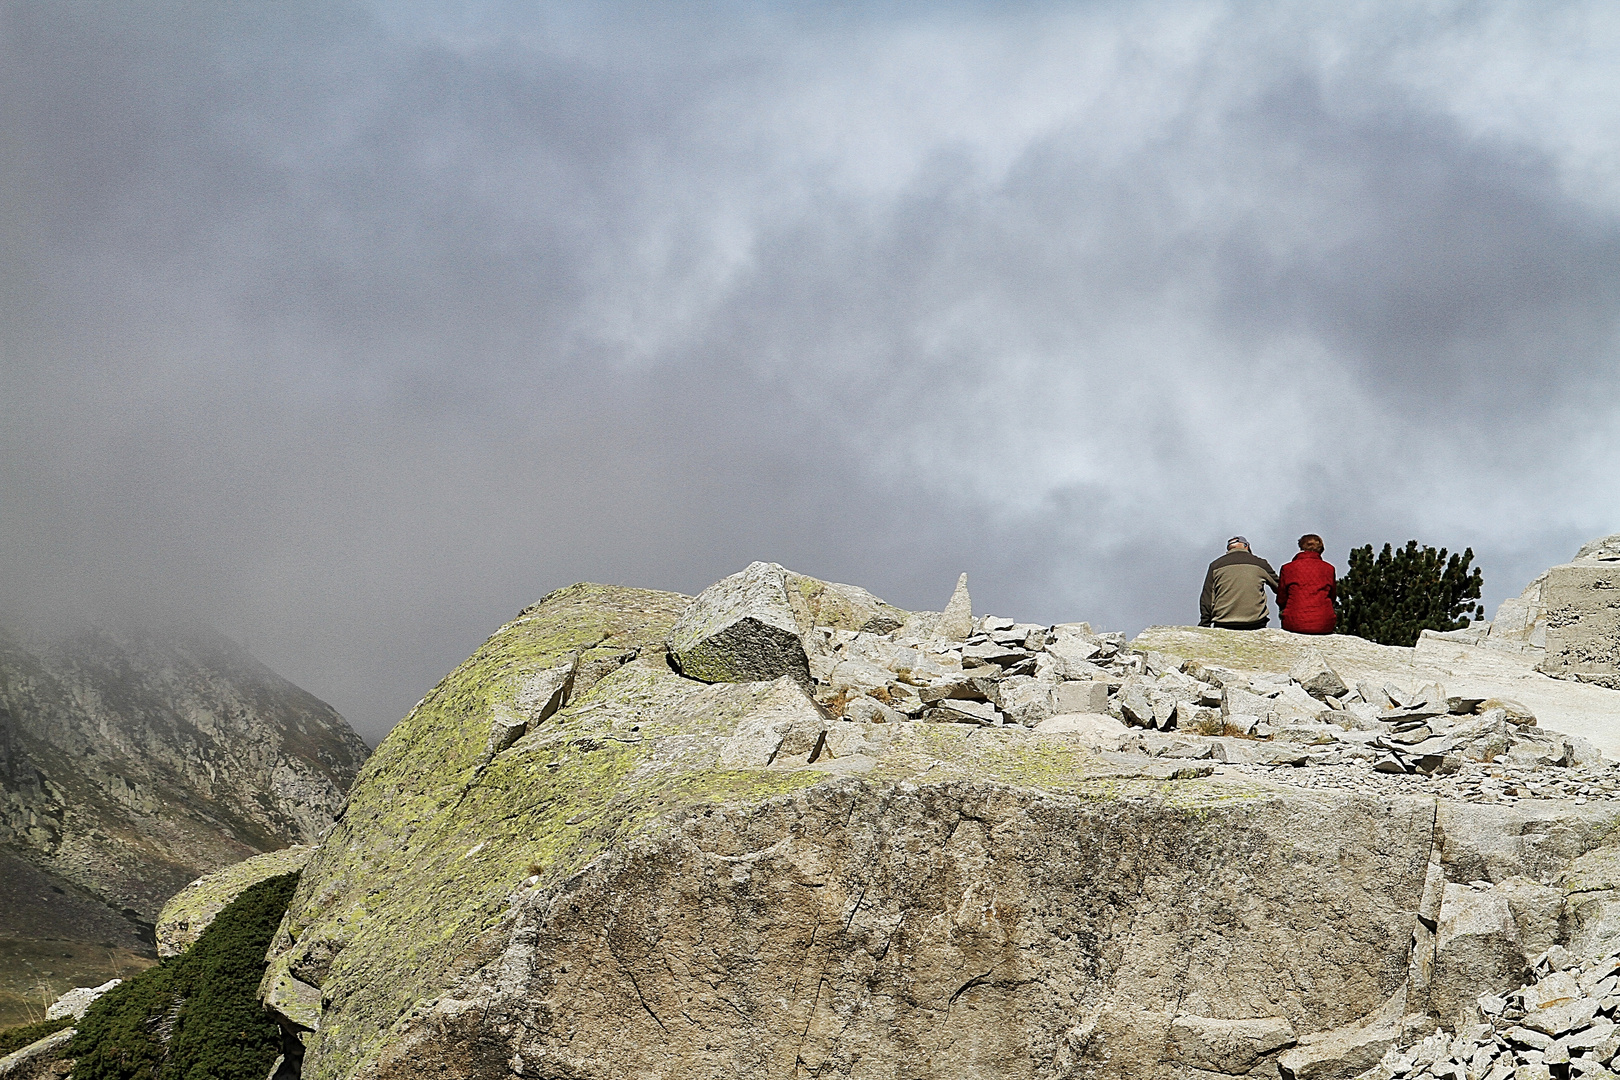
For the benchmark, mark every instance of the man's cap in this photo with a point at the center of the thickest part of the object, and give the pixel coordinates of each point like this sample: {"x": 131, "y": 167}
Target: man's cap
{"x": 1244, "y": 540}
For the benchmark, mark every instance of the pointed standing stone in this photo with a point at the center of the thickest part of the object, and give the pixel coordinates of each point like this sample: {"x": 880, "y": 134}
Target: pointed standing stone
{"x": 956, "y": 624}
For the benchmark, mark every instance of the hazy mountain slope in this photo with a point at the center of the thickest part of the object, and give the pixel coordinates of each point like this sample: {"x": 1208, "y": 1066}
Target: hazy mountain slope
{"x": 133, "y": 760}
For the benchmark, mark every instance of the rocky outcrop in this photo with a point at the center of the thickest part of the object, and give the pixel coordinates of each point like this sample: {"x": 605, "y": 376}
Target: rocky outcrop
{"x": 741, "y": 629}
{"x": 144, "y": 758}
{"x": 76, "y": 1002}
{"x": 912, "y": 864}
{"x": 1582, "y": 604}
{"x": 190, "y": 911}
{"x": 1567, "y": 620}
{"x": 41, "y": 1060}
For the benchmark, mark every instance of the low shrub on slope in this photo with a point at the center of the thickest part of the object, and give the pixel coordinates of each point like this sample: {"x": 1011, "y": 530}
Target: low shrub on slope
{"x": 195, "y": 1016}
{"x": 15, "y": 1038}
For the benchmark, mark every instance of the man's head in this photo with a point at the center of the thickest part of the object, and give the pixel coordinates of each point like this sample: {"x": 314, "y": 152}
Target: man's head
{"x": 1238, "y": 543}
{"x": 1311, "y": 542}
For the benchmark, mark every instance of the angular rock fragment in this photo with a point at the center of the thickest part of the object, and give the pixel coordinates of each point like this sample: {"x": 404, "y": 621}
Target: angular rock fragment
{"x": 1234, "y": 700}
{"x": 1080, "y": 697}
{"x": 871, "y": 711}
{"x": 1292, "y": 703}
{"x": 1340, "y": 1053}
{"x": 1096, "y": 731}
{"x": 1004, "y": 656}
{"x": 1316, "y": 678}
{"x": 1135, "y": 703}
{"x": 741, "y": 629}
{"x": 1226, "y": 1046}
{"x": 1477, "y": 951}
{"x": 782, "y": 729}
{"x": 963, "y": 688}
{"x": 951, "y": 711}
{"x": 537, "y": 700}
{"x": 1026, "y": 700}
{"x": 818, "y": 603}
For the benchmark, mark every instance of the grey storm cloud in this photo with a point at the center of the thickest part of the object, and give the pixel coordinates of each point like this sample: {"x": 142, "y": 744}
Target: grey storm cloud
{"x": 352, "y": 329}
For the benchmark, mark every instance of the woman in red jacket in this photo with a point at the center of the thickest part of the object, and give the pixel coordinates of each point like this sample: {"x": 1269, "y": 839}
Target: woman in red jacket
{"x": 1305, "y": 590}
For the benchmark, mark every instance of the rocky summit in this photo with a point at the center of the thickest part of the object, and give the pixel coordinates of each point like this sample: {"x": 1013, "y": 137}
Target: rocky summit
{"x": 786, "y": 829}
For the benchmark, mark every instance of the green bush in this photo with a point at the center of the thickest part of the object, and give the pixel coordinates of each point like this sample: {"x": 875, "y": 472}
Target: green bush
{"x": 195, "y": 1016}
{"x": 1395, "y": 597}
{"x": 15, "y": 1038}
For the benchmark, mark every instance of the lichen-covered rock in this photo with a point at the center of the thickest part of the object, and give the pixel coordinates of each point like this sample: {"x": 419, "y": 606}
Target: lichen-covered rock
{"x": 840, "y": 607}
{"x": 741, "y": 629}
{"x": 671, "y": 876}
{"x": 1032, "y": 934}
{"x": 190, "y": 911}
{"x": 612, "y": 890}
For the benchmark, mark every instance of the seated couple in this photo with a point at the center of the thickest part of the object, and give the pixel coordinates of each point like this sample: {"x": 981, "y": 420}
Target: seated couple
{"x": 1234, "y": 595}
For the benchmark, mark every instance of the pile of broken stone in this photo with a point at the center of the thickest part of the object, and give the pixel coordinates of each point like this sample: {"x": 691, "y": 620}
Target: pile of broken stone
{"x": 866, "y": 661}
{"x": 1559, "y": 1025}
{"x": 1068, "y": 678}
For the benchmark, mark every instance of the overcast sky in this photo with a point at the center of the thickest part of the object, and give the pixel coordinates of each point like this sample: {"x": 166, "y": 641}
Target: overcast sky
{"x": 354, "y": 328}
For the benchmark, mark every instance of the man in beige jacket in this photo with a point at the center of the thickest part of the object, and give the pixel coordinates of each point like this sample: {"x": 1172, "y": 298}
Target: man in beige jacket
{"x": 1234, "y": 596}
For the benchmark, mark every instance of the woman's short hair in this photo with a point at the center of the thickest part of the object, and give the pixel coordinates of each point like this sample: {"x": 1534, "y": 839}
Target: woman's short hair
{"x": 1311, "y": 542}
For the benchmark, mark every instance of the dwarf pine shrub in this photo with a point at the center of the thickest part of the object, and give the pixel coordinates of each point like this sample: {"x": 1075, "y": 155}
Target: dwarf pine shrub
{"x": 1395, "y": 597}
{"x": 195, "y": 1016}
{"x": 15, "y": 1038}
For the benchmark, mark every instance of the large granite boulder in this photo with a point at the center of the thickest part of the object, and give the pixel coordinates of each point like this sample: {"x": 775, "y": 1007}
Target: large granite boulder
{"x": 674, "y": 876}
{"x": 642, "y": 872}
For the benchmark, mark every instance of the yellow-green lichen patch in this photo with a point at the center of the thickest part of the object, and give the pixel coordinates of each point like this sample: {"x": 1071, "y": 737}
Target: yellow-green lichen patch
{"x": 189, "y": 912}
{"x": 379, "y": 881}
{"x": 422, "y": 867}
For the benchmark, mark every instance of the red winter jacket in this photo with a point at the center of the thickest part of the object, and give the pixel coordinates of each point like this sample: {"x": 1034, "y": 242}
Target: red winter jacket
{"x": 1305, "y": 594}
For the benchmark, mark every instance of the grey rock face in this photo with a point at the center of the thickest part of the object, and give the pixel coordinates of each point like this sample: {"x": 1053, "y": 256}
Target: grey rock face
{"x": 779, "y": 722}
{"x": 136, "y": 759}
{"x": 1232, "y": 1047}
{"x": 1010, "y": 972}
{"x": 1080, "y": 697}
{"x": 741, "y": 629}
{"x": 1477, "y": 951}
